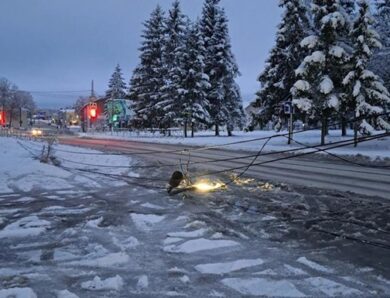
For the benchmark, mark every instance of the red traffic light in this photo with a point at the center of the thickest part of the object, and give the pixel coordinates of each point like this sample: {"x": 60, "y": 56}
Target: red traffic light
{"x": 2, "y": 118}
{"x": 92, "y": 111}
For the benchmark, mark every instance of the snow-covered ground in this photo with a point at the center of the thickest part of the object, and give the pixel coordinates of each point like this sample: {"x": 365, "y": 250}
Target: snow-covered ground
{"x": 67, "y": 235}
{"x": 21, "y": 171}
{"x": 379, "y": 148}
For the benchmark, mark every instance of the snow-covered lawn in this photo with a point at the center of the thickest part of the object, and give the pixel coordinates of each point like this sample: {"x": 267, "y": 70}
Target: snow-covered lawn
{"x": 20, "y": 170}
{"x": 379, "y": 148}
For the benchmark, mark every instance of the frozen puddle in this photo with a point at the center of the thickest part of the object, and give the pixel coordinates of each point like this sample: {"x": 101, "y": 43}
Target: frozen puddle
{"x": 221, "y": 268}
{"x": 145, "y": 222}
{"x": 201, "y": 244}
{"x": 25, "y": 227}
{"x": 262, "y": 287}
{"x": 331, "y": 288}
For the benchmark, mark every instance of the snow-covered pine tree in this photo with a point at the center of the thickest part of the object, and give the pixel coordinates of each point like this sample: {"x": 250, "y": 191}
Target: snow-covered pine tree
{"x": 380, "y": 62}
{"x": 349, "y": 10}
{"x": 208, "y": 23}
{"x": 194, "y": 82}
{"x": 279, "y": 75}
{"x": 232, "y": 100}
{"x": 148, "y": 77}
{"x": 349, "y": 6}
{"x": 173, "y": 51}
{"x": 367, "y": 94}
{"x": 116, "y": 85}
{"x": 220, "y": 67}
{"x": 317, "y": 90}
{"x": 383, "y": 21}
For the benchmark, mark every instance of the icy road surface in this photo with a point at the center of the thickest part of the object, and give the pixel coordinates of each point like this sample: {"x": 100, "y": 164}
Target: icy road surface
{"x": 117, "y": 240}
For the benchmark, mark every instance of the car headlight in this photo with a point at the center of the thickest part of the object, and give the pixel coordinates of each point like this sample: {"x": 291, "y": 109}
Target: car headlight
{"x": 36, "y": 132}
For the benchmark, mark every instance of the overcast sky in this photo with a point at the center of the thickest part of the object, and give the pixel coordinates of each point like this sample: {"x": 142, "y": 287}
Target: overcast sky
{"x": 61, "y": 45}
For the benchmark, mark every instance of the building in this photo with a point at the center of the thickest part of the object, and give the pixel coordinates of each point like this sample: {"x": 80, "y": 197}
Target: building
{"x": 68, "y": 117}
{"x": 110, "y": 114}
{"x": 16, "y": 119}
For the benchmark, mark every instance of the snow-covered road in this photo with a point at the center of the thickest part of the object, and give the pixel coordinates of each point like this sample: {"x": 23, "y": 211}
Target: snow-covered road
{"x": 376, "y": 149}
{"x": 110, "y": 239}
{"x": 310, "y": 171}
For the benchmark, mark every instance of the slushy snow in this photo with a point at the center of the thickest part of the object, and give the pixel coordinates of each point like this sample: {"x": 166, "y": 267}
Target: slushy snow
{"x": 145, "y": 222}
{"x": 263, "y": 287}
{"x": 25, "y": 227}
{"x": 111, "y": 283}
{"x": 314, "y": 265}
{"x": 17, "y": 293}
{"x": 221, "y": 268}
{"x": 201, "y": 244}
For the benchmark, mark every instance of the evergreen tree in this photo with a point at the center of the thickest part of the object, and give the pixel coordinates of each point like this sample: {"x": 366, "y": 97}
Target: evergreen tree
{"x": 317, "y": 90}
{"x": 116, "y": 85}
{"x": 367, "y": 95}
{"x": 231, "y": 101}
{"x": 220, "y": 67}
{"x": 279, "y": 75}
{"x": 148, "y": 77}
{"x": 173, "y": 51}
{"x": 380, "y": 62}
{"x": 349, "y": 6}
{"x": 383, "y": 21}
{"x": 194, "y": 82}
{"x": 208, "y": 23}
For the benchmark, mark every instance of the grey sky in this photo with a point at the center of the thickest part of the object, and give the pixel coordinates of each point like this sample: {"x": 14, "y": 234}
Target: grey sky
{"x": 61, "y": 45}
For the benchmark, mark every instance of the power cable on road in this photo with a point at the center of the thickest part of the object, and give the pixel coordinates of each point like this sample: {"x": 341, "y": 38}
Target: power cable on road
{"x": 319, "y": 148}
{"x": 310, "y": 228}
{"x": 343, "y": 144}
{"x": 342, "y": 158}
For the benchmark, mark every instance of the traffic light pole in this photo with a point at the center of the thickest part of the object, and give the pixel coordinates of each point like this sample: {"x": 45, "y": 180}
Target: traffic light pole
{"x": 112, "y": 115}
{"x": 289, "y": 110}
{"x": 290, "y": 128}
{"x": 87, "y": 114}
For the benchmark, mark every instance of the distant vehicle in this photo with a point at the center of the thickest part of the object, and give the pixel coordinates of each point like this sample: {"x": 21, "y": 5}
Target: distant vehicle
{"x": 36, "y": 132}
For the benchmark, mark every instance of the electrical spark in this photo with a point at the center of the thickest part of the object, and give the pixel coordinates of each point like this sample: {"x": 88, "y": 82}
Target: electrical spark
{"x": 205, "y": 186}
